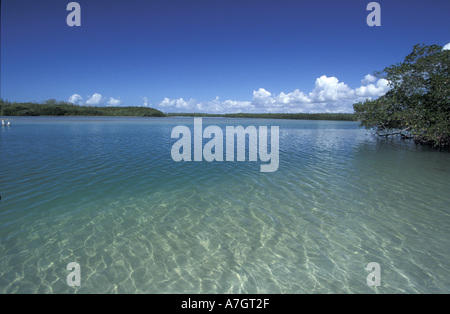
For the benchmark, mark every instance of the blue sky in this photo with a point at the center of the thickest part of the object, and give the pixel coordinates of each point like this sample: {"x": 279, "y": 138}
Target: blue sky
{"x": 211, "y": 55}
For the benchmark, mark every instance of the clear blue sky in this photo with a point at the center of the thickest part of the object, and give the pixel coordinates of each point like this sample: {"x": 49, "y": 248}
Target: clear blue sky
{"x": 210, "y": 55}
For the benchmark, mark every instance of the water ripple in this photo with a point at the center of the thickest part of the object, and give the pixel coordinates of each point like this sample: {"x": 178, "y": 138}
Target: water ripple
{"x": 106, "y": 194}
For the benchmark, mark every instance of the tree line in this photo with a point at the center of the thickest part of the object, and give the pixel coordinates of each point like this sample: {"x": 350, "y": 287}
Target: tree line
{"x": 60, "y": 108}
{"x": 52, "y": 107}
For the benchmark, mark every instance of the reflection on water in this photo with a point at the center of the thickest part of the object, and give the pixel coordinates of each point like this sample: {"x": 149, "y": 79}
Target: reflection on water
{"x": 105, "y": 193}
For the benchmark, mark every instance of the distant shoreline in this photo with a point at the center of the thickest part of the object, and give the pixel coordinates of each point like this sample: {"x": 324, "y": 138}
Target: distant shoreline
{"x": 292, "y": 116}
{"x": 53, "y": 108}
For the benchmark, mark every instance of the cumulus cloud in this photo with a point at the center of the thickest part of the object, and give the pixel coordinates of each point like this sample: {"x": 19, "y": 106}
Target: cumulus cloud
{"x": 329, "y": 89}
{"x": 179, "y": 103}
{"x": 236, "y": 106}
{"x": 75, "y": 99}
{"x": 264, "y": 101}
{"x": 94, "y": 100}
{"x": 328, "y": 95}
{"x": 378, "y": 89}
{"x": 145, "y": 99}
{"x": 262, "y": 98}
{"x": 214, "y": 106}
{"x": 368, "y": 79}
{"x": 114, "y": 102}
{"x": 446, "y": 47}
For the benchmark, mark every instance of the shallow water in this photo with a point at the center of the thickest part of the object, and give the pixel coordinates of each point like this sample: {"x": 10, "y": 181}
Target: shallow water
{"x": 106, "y": 194}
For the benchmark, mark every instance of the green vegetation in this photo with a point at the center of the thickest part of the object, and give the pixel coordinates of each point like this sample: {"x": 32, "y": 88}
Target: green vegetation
{"x": 298, "y": 116}
{"x": 418, "y": 105}
{"x": 53, "y": 108}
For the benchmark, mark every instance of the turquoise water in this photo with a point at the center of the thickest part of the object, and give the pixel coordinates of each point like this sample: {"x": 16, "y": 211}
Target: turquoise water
{"x": 106, "y": 194}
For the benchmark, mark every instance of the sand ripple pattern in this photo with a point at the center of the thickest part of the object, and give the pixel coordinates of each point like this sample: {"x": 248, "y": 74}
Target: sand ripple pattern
{"x": 110, "y": 199}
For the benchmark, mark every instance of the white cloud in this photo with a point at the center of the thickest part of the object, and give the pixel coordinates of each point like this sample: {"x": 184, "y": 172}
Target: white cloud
{"x": 236, "y": 106}
{"x": 446, "y": 47}
{"x": 214, "y": 106}
{"x": 114, "y": 102}
{"x": 292, "y": 98}
{"x": 179, "y": 103}
{"x": 373, "y": 90}
{"x": 262, "y": 98}
{"x": 328, "y": 95}
{"x": 266, "y": 102}
{"x": 329, "y": 89}
{"x": 94, "y": 100}
{"x": 145, "y": 99}
{"x": 75, "y": 99}
{"x": 368, "y": 79}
